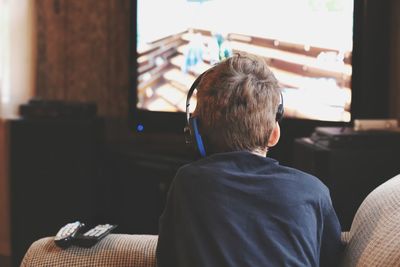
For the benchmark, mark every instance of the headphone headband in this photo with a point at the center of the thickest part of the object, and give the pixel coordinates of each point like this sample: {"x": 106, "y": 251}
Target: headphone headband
{"x": 190, "y": 93}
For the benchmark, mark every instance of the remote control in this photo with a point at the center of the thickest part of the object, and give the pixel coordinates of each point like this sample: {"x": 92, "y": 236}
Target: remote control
{"x": 94, "y": 235}
{"x": 66, "y": 235}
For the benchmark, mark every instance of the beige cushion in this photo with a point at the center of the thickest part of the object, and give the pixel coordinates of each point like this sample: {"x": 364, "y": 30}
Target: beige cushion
{"x": 113, "y": 250}
{"x": 374, "y": 237}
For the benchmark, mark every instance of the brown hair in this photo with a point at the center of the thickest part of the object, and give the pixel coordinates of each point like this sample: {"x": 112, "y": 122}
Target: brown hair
{"x": 237, "y": 101}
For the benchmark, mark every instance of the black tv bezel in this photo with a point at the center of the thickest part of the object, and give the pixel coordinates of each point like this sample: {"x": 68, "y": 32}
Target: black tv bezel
{"x": 368, "y": 100}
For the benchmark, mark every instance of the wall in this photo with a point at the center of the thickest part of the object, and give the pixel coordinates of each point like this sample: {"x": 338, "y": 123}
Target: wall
{"x": 83, "y": 52}
{"x": 17, "y": 54}
{"x": 16, "y": 87}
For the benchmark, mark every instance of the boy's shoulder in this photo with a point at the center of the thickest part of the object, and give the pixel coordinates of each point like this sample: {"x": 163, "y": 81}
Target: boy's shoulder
{"x": 257, "y": 175}
{"x": 307, "y": 179}
{"x": 249, "y": 164}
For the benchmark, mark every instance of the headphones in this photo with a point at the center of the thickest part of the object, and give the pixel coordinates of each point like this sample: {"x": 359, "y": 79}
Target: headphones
{"x": 191, "y": 130}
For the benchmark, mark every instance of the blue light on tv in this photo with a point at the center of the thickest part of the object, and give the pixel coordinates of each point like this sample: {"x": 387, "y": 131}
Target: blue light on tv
{"x": 140, "y": 127}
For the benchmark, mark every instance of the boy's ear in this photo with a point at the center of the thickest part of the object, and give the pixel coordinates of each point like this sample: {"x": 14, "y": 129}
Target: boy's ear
{"x": 275, "y": 135}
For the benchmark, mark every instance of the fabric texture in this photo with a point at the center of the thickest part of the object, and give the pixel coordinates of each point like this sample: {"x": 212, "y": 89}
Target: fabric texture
{"x": 241, "y": 209}
{"x": 114, "y": 250}
{"x": 374, "y": 237}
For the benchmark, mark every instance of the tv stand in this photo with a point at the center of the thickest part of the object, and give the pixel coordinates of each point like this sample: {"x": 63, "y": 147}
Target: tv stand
{"x": 350, "y": 173}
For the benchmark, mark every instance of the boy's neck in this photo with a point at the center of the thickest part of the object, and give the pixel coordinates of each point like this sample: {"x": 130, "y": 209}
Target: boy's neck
{"x": 260, "y": 152}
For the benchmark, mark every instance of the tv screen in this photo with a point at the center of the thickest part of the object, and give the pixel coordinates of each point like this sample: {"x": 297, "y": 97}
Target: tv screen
{"x": 307, "y": 44}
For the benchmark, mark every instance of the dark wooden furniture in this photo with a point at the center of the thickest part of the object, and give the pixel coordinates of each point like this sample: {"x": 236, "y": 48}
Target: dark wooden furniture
{"x": 350, "y": 173}
{"x": 53, "y": 177}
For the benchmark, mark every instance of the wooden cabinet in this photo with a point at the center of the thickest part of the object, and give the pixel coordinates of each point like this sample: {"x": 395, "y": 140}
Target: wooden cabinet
{"x": 350, "y": 173}
{"x": 5, "y": 247}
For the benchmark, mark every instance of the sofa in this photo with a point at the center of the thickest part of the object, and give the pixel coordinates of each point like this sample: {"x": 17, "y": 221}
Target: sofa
{"x": 373, "y": 240}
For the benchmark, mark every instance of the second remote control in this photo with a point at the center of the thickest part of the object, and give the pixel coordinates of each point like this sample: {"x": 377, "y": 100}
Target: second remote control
{"x": 94, "y": 235}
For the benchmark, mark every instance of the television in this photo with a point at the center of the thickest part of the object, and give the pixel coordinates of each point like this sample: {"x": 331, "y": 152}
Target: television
{"x": 324, "y": 53}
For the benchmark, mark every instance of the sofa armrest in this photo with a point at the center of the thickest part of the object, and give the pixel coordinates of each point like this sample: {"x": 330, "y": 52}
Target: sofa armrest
{"x": 113, "y": 250}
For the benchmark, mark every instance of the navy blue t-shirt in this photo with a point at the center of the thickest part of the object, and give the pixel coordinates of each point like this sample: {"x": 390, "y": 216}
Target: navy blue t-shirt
{"x": 241, "y": 209}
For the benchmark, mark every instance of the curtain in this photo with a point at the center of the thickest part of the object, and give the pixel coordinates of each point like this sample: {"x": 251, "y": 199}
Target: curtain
{"x": 17, "y": 55}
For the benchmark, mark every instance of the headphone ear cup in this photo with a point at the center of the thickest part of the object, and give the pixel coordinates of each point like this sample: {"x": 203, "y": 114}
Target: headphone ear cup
{"x": 196, "y": 137}
{"x": 279, "y": 113}
{"x": 188, "y": 135}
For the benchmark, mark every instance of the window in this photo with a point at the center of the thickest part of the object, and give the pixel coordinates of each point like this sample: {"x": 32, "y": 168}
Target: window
{"x": 17, "y": 57}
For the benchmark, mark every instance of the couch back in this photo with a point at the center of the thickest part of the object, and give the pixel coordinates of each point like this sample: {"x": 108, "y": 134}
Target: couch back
{"x": 374, "y": 237}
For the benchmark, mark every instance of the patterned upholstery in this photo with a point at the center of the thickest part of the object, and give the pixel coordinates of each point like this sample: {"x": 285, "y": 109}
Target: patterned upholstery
{"x": 374, "y": 237}
{"x": 113, "y": 250}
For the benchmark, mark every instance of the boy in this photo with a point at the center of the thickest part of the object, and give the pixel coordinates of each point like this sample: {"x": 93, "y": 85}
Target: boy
{"x": 237, "y": 207}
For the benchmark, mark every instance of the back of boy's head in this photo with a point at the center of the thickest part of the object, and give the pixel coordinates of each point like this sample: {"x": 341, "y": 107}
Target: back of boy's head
{"x": 237, "y": 102}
